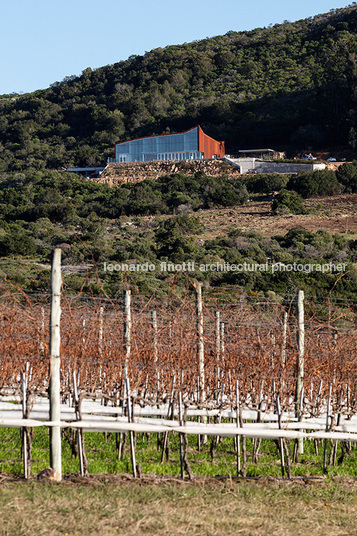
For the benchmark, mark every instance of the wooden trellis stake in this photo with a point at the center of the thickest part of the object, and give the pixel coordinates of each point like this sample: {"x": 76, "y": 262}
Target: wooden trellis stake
{"x": 300, "y": 360}
{"x": 127, "y": 330}
{"x": 55, "y": 363}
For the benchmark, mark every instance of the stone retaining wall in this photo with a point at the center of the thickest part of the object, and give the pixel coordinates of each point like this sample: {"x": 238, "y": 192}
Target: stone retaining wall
{"x": 123, "y": 173}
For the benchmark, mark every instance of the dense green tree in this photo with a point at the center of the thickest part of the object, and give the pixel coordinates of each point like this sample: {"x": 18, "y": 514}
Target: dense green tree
{"x": 175, "y": 244}
{"x": 347, "y": 175}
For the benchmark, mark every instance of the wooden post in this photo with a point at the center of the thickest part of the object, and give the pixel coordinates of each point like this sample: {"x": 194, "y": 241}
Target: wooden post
{"x": 283, "y": 349}
{"x": 221, "y": 329}
{"x": 131, "y": 435}
{"x": 244, "y": 445}
{"x": 170, "y": 412}
{"x": 300, "y": 359}
{"x": 185, "y": 464}
{"x": 181, "y": 437}
{"x": 156, "y": 353}
{"x": 127, "y": 330}
{"x": 42, "y": 346}
{"x": 218, "y": 345}
{"x": 237, "y": 424}
{"x": 100, "y": 332}
{"x": 201, "y": 357}
{"x": 257, "y": 441}
{"x": 280, "y": 441}
{"x": 55, "y": 362}
{"x": 24, "y": 434}
{"x": 327, "y": 427}
{"x": 83, "y": 464}
{"x": 100, "y": 343}
{"x": 222, "y": 340}
{"x": 76, "y": 399}
{"x": 154, "y": 327}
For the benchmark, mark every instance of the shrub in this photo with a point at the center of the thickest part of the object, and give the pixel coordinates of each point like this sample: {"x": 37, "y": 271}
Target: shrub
{"x": 315, "y": 183}
{"x": 266, "y": 184}
{"x": 16, "y": 242}
{"x": 347, "y": 175}
{"x": 288, "y": 201}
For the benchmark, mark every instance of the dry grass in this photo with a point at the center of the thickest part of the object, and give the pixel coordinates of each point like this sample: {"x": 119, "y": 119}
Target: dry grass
{"x": 336, "y": 214}
{"x": 114, "y": 505}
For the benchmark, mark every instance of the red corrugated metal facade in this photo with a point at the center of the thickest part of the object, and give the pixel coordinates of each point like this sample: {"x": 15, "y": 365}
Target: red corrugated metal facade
{"x": 209, "y": 146}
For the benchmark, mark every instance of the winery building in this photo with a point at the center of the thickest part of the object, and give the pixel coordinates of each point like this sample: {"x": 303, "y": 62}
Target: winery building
{"x": 192, "y": 144}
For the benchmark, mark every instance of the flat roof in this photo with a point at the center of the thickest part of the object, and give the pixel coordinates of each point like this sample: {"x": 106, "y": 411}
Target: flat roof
{"x": 85, "y": 168}
{"x": 257, "y": 151}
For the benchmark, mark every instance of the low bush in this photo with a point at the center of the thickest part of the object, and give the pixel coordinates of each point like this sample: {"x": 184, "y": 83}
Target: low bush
{"x": 287, "y": 201}
{"x": 315, "y": 183}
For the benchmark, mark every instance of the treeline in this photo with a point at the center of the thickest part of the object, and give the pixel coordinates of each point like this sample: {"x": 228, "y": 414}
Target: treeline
{"x": 62, "y": 196}
{"x": 291, "y": 85}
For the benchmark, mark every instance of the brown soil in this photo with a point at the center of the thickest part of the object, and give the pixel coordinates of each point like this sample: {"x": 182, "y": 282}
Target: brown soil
{"x": 336, "y": 214}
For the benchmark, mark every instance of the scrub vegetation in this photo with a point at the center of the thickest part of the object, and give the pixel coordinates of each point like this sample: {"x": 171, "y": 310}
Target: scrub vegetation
{"x": 160, "y": 221}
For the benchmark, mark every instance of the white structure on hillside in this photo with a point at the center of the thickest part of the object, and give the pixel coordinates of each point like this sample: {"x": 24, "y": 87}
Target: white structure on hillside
{"x": 256, "y": 165}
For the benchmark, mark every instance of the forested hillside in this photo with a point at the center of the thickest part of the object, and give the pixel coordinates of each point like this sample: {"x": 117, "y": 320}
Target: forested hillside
{"x": 291, "y": 86}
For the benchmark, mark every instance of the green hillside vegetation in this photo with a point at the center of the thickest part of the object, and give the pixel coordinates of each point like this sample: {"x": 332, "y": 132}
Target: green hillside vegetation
{"x": 292, "y": 189}
{"x": 291, "y": 86}
{"x": 154, "y": 222}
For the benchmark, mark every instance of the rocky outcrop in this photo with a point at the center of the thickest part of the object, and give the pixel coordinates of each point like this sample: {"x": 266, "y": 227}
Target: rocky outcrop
{"x": 117, "y": 174}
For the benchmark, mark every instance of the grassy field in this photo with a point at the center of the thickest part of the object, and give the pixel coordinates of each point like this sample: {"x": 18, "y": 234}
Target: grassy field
{"x": 110, "y": 501}
{"x": 335, "y": 214}
{"x": 115, "y": 505}
{"x": 217, "y": 460}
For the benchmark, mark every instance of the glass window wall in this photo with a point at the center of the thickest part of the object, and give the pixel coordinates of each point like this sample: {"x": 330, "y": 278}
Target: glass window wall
{"x": 183, "y": 146}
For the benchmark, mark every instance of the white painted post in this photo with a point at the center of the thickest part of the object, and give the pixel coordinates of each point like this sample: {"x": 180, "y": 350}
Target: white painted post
{"x": 55, "y": 362}
{"x": 127, "y": 330}
{"x": 300, "y": 359}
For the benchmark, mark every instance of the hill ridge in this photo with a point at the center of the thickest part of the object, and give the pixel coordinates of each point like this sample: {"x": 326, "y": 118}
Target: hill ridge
{"x": 290, "y": 86}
